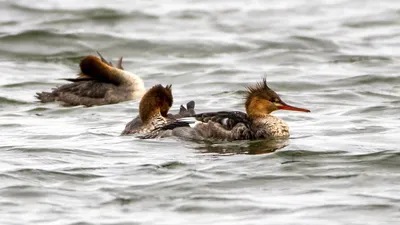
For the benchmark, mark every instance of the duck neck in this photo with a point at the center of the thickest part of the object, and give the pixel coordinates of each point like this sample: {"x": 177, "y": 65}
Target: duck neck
{"x": 270, "y": 126}
{"x": 150, "y": 116}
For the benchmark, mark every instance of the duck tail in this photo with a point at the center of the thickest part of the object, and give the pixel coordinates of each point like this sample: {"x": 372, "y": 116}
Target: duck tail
{"x": 190, "y": 107}
{"x": 188, "y": 111}
{"x": 45, "y": 97}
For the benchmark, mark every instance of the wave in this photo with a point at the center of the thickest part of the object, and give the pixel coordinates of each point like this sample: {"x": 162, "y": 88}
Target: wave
{"x": 10, "y": 101}
{"x": 90, "y": 13}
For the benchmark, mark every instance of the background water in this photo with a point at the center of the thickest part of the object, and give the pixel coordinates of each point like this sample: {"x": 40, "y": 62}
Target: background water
{"x": 339, "y": 58}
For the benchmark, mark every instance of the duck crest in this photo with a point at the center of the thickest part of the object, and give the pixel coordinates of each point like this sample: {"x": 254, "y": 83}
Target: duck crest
{"x": 260, "y": 99}
{"x": 262, "y": 90}
{"x": 156, "y": 101}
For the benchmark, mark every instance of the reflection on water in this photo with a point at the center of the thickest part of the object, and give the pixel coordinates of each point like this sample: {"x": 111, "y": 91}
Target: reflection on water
{"x": 242, "y": 147}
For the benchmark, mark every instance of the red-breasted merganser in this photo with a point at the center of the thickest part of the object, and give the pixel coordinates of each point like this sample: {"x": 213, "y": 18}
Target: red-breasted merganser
{"x": 153, "y": 111}
{"x": 98, "y": 83}
{"x": 256, "y": 123}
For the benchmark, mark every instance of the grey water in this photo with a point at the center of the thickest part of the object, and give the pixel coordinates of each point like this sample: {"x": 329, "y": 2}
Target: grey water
{"x": 338, "y": 58}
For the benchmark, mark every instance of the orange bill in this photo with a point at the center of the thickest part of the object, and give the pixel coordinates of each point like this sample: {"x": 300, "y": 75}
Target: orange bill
{"x": 292, "y": 108}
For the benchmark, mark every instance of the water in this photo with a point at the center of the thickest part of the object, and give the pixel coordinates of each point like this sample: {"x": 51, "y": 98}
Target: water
{"x": 339, "y": 58}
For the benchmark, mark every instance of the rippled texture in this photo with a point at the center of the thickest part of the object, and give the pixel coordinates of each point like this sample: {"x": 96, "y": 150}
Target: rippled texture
{"x": 69, "y": 166}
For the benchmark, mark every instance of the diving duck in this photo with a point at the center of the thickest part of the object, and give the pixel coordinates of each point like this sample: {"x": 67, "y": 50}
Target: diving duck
{"x": 153, "y": 111}
{"x": 98, "y": 83}
{"x": 256, "y": 123}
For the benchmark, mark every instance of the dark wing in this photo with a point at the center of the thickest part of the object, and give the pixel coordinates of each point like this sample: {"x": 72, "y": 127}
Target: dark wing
{"x": 91, "y": 89}
{"x": 87, "y": 93}
{"x": 78, "y": 79}
{"x": 228, "y": 119}
{"x": 175, "y": 124}
{"x": 223, "y": 125}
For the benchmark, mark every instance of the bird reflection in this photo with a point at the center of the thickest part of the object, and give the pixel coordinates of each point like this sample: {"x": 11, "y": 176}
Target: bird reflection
{"x": 242, "y": 147}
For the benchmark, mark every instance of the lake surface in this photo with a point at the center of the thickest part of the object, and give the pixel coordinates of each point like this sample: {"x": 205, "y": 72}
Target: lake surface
{"x": 338, "y": 58}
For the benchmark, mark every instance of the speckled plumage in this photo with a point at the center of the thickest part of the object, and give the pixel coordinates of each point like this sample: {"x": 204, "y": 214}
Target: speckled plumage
{"x": 269, "y": 127}
{"x": 157, "y": 121}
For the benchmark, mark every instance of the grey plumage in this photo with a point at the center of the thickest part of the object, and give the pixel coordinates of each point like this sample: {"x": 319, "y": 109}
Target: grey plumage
{"x": 87, "y": 92}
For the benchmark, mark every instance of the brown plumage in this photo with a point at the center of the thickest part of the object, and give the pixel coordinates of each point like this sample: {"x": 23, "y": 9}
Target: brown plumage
{"x": 157, "y": 100}
{"x": 262, "y": 100}
{"x": 98, "y": 83}
{"x": 153, "y": 111}
{"x": 256, "y": 123}
{"x": 259, "y": 100}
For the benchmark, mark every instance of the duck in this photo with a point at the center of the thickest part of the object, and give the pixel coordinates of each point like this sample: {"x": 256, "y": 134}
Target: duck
{"x": 256, "y": 123}
{"x": 98, "y": 83}
{"x": 153, "y": 111}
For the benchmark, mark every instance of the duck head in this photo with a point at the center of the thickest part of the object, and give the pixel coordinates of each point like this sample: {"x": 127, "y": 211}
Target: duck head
{"x": 156, "y": 101}
{"x": 91, "y": 66}
{"x": 262, "y": 100}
